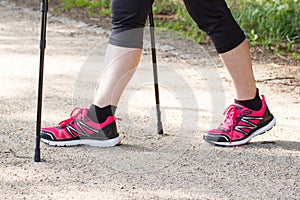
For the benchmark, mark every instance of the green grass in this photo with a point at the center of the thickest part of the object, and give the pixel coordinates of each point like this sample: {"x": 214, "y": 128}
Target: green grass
{"x": 95, "y": 8}
{"x": 271, "y": 23}
{"x": 173, "y": 15}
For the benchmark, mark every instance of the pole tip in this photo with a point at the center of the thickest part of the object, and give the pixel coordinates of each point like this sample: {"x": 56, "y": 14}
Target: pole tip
{"x": 160, "y": 131}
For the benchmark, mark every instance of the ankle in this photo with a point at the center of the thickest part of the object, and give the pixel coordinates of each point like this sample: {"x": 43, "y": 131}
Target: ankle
{"x": 99, "y": 115}
{"x": 253, "y": 104}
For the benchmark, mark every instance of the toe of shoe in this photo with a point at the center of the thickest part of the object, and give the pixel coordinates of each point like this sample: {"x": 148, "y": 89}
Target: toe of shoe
{"x": 215, "y": 138}
{"x": 47, "y": 135}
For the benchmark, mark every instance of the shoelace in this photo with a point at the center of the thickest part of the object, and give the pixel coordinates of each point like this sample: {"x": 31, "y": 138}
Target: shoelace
{"x": 73, "y": 116}
{"x": 230, "y": 119}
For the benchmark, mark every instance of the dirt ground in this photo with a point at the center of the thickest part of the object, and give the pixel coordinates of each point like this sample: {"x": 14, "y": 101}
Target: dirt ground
{"x": 178, "y": 165}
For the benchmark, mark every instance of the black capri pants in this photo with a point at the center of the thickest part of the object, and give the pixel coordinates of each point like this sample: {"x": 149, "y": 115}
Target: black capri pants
{"x": 212, "y": 16}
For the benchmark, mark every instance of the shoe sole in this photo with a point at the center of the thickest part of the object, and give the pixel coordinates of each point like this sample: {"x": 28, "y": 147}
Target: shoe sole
{"x": 93, "y": 143}
{"x": 260, "y": 131}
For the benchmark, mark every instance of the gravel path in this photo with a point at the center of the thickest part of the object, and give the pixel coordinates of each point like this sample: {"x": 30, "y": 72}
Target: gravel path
{"x": 177, "y": 166}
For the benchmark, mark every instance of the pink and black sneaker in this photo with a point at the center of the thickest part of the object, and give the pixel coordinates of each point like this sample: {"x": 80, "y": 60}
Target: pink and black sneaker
{"x": 241, "y": 124}
{"x": 79, "y": 129}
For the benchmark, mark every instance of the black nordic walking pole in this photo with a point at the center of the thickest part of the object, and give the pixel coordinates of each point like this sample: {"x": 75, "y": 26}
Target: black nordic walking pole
{"x": 44, "y": 10}
{"x": 153, "y": 50}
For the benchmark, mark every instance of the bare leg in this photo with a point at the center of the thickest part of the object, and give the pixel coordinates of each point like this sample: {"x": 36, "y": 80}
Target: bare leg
{"x": 121, "y": 64}
{"x": 238, "y": 63}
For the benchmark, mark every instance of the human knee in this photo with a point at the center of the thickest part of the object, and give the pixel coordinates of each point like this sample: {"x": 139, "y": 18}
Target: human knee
{"x": 215, "y": 19}
{"x": 128, "y": 21}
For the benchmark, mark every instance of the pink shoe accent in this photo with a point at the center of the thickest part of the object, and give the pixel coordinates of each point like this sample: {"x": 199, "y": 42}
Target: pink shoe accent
{"x": 79, "y": 128}
{"x": 84, "y": 112}
{"x": 240, "y": 125}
